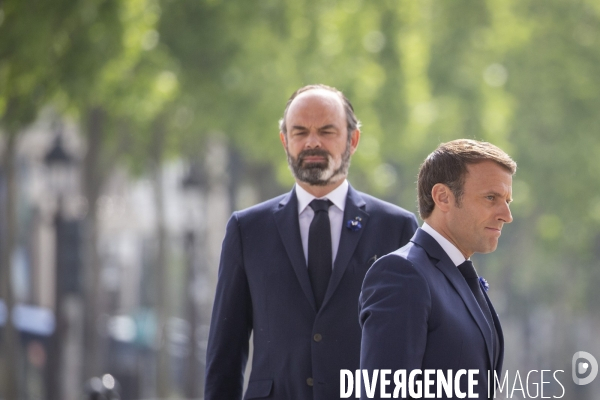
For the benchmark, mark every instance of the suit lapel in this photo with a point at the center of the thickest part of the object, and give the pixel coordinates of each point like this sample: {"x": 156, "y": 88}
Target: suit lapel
{"x": 497, "y": 367}
{"x": 348, "y": 239}
{"x": 447, "y": 267}
{"x": 286, "y": 218}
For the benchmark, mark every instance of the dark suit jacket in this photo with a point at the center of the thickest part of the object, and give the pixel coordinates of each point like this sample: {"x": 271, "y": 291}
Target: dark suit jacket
{"x": 417, "y": 312}
{"x": 264, "y": 288}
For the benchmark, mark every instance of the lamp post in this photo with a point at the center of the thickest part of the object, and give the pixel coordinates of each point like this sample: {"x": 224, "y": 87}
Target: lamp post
{"x": 192, "y": 185}
{"x": 61, "y": 181}
{"x": 60, "y": 166}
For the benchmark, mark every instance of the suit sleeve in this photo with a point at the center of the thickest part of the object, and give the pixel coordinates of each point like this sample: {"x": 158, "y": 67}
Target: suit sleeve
{"x": 394, "y": 308}
{"x": 231, "y": 323}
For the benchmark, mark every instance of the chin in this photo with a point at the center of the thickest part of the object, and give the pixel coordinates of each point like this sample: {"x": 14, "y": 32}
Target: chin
{"x": 490, "y": 249}
{"x": 317, "y": 164}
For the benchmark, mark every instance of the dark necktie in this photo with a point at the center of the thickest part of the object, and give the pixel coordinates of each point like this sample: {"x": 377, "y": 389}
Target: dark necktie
{"x": 319, "y": 249}
{"x": 468, "y": 272}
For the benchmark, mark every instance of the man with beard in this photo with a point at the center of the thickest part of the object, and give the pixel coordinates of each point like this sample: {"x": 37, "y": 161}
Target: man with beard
{"x": 292, "y": 267}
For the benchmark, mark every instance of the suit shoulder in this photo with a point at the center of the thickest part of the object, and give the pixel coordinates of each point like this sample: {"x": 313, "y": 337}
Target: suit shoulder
{"x": 399, "y": 269}
{"x": 259, "y": 210}
{"x": 377, "y": 205}
{"x": 397, "y": 259}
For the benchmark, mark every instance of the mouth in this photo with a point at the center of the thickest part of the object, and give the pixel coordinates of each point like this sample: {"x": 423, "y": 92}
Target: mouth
{"x": 497, "y": 231}
{"x": 313, "y": 159}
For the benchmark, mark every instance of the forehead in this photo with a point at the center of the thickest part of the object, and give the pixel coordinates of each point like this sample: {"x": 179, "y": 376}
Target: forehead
{"x": 317, "y": 105}
{"x": 488, "y": 176}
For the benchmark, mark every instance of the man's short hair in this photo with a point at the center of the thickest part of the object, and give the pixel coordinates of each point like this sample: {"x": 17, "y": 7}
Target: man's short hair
{"x": 448, "y": 165}
{"x": 352, "y": 123}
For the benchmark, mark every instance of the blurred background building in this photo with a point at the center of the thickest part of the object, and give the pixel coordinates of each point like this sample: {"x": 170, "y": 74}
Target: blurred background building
{"x": 155, "y": 266}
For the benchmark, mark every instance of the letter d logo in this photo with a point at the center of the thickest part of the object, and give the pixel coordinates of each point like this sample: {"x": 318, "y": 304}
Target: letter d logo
{"x": 583, "y": 366}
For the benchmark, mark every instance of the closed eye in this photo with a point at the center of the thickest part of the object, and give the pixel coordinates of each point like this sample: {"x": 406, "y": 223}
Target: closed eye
{"x": 328, "y": 129}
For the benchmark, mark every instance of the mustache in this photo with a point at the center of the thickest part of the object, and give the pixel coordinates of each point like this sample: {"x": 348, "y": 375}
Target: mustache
{"x": 313, "y": 152}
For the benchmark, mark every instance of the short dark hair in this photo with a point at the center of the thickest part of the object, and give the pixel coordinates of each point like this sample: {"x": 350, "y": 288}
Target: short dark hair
{"x": 352, "y": 123}
{"x": 448, "y": 165}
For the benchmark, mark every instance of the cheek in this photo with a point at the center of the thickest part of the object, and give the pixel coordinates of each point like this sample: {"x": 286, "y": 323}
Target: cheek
{"x": 467, "y": 223}
{"x": 294, "y": 147}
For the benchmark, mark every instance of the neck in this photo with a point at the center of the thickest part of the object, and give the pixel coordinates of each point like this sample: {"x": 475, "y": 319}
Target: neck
{"x": 443, "y": 230}
{"x": 320, "y": 191}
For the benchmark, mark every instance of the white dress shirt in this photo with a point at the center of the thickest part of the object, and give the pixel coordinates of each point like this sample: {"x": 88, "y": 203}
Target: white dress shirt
{"x": 454, "y": 253}
{"x": 336, "y": 215}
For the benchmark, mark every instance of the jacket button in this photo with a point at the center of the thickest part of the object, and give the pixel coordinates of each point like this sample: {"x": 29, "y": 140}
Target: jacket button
{"x": 317, "y": 337}
{"x": 309, "y": 381}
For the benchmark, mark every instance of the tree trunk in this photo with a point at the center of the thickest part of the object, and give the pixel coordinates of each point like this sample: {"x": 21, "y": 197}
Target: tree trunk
{"x": 93, "y": 177}
{"x": 193, "y": 377}
{"x": 12, "y": 358}
{"x": 161, "y": 275}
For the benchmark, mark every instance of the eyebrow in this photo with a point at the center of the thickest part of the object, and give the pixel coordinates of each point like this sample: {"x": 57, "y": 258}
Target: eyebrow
{"x": 499, "y": 195}
{"x": 327, "y": 127}
{"x": 322, "y": 128}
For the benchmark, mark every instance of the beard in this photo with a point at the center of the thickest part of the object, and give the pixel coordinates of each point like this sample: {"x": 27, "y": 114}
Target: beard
{"x": 319, "y": 173}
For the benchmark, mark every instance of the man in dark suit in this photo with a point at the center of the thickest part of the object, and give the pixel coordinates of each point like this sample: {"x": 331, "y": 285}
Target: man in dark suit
{"x": 292, "y": 267}
{"x": 423, "y": 306}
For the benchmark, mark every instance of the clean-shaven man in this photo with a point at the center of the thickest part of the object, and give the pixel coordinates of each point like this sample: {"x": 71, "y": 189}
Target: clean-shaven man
{"x": 423, "y": 307}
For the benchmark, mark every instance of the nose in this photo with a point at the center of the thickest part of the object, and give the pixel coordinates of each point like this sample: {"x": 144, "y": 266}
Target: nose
{"x": 505, "y": 214}
{"x": 312, "y": 141}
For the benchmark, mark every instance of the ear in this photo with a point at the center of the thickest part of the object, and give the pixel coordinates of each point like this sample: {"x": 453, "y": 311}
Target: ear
{"x": 283, "y": 139}
{"x": 442, "y": 197}
{"x": 354, "y": 139}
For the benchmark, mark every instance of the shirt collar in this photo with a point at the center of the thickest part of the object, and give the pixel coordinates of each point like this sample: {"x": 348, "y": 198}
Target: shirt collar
{"x": 337, "y": 196}
{"x": 455, "y": 255}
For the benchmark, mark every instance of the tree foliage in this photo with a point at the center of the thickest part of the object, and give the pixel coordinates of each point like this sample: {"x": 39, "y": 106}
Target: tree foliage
{"x": 523, "y": 75}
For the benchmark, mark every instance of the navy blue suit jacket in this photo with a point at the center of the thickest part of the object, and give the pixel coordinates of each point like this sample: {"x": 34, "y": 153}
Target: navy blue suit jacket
{"x": 417, "y": 312}
{"x": 263, "y": 287}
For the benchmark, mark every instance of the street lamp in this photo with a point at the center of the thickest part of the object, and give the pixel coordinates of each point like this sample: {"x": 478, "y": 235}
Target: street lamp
{"x": 61, "y": 171}
{"x": 192, "y": 185}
